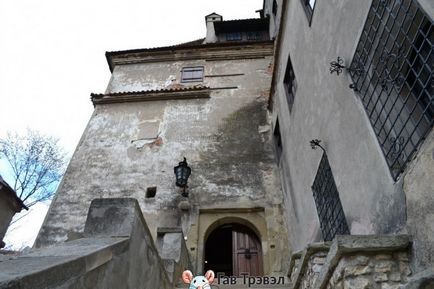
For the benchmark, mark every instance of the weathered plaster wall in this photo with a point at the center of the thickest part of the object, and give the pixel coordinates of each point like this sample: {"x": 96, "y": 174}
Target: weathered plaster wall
{"x": 137, "y": 77}
{"x": 128, "y": 147}
{"x": 419, "y": 191}
{"x": 274, "y": 17}
{"x": 326, "y": 108}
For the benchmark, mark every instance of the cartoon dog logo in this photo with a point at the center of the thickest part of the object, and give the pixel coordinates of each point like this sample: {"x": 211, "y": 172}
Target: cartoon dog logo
{"x": 198, "y": 282}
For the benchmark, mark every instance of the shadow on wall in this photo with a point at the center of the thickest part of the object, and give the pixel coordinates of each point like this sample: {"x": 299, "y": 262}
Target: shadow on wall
{"x": 237, "y": 157}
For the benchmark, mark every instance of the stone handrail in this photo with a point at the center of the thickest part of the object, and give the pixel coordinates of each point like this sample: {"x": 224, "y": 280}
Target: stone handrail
{"x": 117, "y": 251}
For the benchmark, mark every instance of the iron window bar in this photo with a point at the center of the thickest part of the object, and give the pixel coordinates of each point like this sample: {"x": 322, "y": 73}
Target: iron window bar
{"x": 234, "y": 36}
{"x": 289, "y": 84}
{"x": 396, "y": 83}
{"x": 328, "y": 204}
{"x": 308, "y": 7}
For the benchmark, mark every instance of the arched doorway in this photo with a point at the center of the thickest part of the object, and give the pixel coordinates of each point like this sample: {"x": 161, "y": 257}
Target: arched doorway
{"x": 233, "y": 249}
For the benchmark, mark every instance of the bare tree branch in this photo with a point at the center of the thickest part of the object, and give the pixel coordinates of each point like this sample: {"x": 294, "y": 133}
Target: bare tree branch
{"x": 36, "y": 162}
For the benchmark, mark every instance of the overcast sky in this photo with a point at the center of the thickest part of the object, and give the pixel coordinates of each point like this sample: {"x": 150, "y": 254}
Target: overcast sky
{"x": 52, "y": 58}
{"x": 52, "y": 52}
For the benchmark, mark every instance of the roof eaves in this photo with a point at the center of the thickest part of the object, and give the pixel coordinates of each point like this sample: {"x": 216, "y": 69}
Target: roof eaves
{"x": 12, "y": 194}
{"x": 198, "y": 91}
{"x": 173, "y": 48}
{"x": 163, "y": 90}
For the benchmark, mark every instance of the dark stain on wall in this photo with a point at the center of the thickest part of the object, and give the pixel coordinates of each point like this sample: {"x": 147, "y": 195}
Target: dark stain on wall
{"x": 236, "y": 159}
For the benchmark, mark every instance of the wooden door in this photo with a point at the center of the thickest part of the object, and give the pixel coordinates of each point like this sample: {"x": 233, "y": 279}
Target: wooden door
{"x": 247, "y": 253}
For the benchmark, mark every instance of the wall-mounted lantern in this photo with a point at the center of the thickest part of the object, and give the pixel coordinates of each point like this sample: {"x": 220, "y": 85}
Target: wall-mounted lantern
{"x": 182, "y": 172}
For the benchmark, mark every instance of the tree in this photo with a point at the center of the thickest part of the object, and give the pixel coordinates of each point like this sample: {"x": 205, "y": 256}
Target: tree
{"x": 36, "y": 162}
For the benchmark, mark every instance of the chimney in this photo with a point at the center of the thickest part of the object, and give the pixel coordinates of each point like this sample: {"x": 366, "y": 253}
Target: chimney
{"x": 211, "y": 37}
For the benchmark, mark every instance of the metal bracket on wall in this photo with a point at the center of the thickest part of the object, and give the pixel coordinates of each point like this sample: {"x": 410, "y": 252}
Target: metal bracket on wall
{"x": 338, "y": 66}
{"x": 316, "y": 143}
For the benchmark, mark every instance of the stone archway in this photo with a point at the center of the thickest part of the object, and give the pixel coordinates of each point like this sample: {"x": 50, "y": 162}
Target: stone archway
{"x": 232, "y": 249}
{"x": 211, "y": 219}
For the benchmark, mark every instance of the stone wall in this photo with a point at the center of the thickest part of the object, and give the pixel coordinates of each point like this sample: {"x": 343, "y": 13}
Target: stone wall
{"x": 387, "y": 270}
{"x": 116, "y": 252}
{"x": 173, "y": 251}
{"x": 419, "y": 191}
{"x": 376, "y": 262}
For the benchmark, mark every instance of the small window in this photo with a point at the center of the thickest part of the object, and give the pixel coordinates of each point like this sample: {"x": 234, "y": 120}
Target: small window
{"x": 151, "y": 192}
{"x": 328, "y": 204}
{"x": 289, "y": 84}
{"x": 277, "y": 141}
{"x": 192, "y": 74}
{"x": 274, "y": 9}
{"x": 254, "y": 35}
{"x": 309, "y": 6}
{"x": 234, "y": 36}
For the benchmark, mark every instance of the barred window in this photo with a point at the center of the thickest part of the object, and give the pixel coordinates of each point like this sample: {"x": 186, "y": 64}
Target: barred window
{"x": 192, "y": 74}
{"x": 254, "y": 35}
{"x": 234, "y": 36}
{"x": 308, "y": 6}
{"x": 277, "y": 141}
{"x": 328, "y": 204}
{"x": 274, "y": 8}
{"x": 289, "y": 84}
{"x": 393, "y": 74}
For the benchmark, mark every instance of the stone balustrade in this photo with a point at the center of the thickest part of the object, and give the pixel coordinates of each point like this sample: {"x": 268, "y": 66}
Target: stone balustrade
{"x": 352, "y": 262}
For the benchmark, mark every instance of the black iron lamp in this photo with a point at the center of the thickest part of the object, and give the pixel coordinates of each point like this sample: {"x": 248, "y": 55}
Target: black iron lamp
{"x": 182, "y": 172}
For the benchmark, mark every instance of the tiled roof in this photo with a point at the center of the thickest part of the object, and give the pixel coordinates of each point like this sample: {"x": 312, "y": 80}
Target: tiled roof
{"x": 163, "y": 90}
{"x": 185, "y": 44}
{"x": 194, "y": 42}
{"x": 154, "y": 94}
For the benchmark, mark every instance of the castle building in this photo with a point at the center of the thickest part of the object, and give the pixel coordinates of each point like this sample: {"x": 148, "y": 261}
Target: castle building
{"x": 308, "y": 133}
{"x": 206, "y": 101}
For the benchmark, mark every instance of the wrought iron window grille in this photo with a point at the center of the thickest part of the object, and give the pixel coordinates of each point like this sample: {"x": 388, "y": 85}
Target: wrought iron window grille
{"x": 308, "y": 7}
{"x": 396, "y": 85}
{"x": 234, "y": 36}
{"x": 274, "y": 8}
{"x": 277, "y": 142}
{"x": 328, "y": 204}
{"x": 290, "y": 84}
{"x": 338, "y": 66}
{"x": 254, "y": 35}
